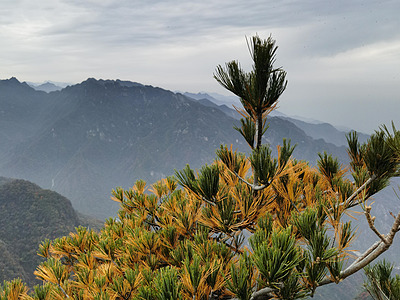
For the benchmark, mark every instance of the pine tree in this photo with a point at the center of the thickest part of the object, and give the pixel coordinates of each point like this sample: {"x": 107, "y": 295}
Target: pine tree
{"x": 255, "y": 227}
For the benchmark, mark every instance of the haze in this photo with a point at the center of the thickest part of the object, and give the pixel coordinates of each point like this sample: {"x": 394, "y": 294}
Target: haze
{"x": 342, "y": 57}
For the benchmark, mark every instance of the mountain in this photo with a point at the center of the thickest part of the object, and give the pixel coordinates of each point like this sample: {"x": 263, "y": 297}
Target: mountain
{"x": 101, "y": 134}
{"x": 224, "y": 108}
{"x": 326, "y": 132}
{"x": 22, "y": 112}
{"x": 29, "y": 215}
{"x": 89, "y": 138}
{"x": 313, "y": 128}
{"x": 215, "y": 98}
{"x": 47, "y": 87}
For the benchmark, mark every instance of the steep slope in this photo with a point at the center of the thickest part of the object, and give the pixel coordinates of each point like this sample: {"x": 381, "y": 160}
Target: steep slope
{"x": 22, "y": 111}
{"x": 10, "y": 266}
{"x": 28, "y": 215}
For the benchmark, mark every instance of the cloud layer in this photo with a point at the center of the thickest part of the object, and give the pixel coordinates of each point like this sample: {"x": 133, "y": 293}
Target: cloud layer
{"x": 342, "y": 57}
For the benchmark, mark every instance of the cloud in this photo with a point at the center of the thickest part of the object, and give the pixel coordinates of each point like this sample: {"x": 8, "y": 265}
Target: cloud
{"x": 334, "y": 51}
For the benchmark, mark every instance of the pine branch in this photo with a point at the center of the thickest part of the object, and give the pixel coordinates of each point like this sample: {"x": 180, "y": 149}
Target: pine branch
{"x": 108, "y": 259}
{"x": 294, "y": 205}
{"x": 394, "y": 230}
{"x": 367, "y": 252}
{"x": 265, "y": 293}
{"x": 370, "y": 254}
{"x": 371, "y": 223}
{"x": 253, "y": 186}
{"x": 208, "y": 201}
{"x": 62, "y": 290}
{"x": 359, "y": 190}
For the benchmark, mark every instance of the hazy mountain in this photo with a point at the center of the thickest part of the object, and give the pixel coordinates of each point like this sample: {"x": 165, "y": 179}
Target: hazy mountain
{"x": 42, "y": 86}
{"x": 22, "y": 112}
{"x": 28, "y": 215}
{"x": 313, "y": 128}
{"x": 326, "y": 131}
{"x": 102, "y": 134}
{"x": 47, "y": 87}
{"x": 218, "y": 99}
{"x": 86, "y": 139}
{"x": 226, "y": 99}
{"x": 224, "y": 108}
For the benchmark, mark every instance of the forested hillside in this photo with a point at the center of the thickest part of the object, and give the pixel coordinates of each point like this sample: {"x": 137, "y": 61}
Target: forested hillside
{"x": 28, "y": 216}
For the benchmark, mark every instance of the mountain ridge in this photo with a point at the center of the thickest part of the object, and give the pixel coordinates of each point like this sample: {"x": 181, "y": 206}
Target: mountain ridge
{"x": 315, "y": 129}
{"x": 110, "y": 133}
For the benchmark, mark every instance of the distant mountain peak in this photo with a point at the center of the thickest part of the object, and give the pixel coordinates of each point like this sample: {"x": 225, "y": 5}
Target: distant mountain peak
{"x": 13, "y": 79}
{"x": 47, "y": 87}
{"x": 117, "y": 82}
{"x": 201, "y": 96}
{"x": 129, "y": 83}
{"x": 13, "y": 83}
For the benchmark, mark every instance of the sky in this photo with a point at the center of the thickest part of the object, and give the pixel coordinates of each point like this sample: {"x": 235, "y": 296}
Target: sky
{"x": 342, "y": 57}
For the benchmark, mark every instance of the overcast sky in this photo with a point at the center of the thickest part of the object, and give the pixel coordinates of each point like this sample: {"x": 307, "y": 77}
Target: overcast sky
{"x": 342, "y": 57}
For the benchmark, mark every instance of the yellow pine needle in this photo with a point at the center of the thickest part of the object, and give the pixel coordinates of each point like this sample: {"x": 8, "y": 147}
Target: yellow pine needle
{"x": 140, "y": 186}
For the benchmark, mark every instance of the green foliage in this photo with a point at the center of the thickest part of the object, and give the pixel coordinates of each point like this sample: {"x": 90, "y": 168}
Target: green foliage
{"x": 378, "y": 157}
{"x": 207, "y": 183}
{"x": 328, "y": 166}
{"x": 186, "y": 178}
{"x": 258, "y": 90}
{"x": 167, "y": 285}
{"x": 194, "y": 271}
{"x": 264, "y": 166}
{"x": 42, "y": 292}
{"x": 380, "y": 283}
{"x": 307, "y": 223}
{"x": 231, "y": 159}
{"x": 277, "y": 258}
{"x": 12, "y": 290}
{"x": 241, "y": 276}
{"x": 247, "y": 130}
{"x": 286, "y": 152}
{"x": 355, "y": 150}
